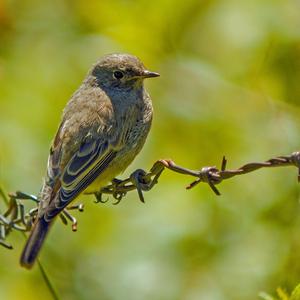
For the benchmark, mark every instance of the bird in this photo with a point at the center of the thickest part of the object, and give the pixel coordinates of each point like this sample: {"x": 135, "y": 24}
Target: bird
{"x": 103, "y": 127}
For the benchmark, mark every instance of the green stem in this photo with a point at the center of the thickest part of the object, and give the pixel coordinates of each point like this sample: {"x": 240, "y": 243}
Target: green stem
{"x": 3, "y": 195}
{"x": 47, "y": 281}
{"x": 41, "y": 268}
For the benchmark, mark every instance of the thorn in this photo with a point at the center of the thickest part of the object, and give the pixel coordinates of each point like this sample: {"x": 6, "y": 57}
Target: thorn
{"x": 81, "y": 207}
{"x": 224, "y": 163}
{"x": 140, "y": 193}
{"x": 215, "y": 190}
{"x": 63, "y": 219}
{"x": 74, "y": 227}
{"x": 71, "y": 218}
{"x": 6, "y": 245}
{"x": 194, "y": 183}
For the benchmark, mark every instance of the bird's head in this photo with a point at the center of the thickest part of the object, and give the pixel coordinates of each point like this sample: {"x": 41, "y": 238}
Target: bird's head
{"x": 120, "y": 71}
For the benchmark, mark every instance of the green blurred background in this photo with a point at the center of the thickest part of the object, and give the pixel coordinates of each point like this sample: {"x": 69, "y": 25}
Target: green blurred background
{"x": 230, "y": 84}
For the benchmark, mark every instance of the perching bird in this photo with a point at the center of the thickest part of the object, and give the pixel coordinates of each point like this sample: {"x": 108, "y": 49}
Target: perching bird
{"x": 103, "y": 128}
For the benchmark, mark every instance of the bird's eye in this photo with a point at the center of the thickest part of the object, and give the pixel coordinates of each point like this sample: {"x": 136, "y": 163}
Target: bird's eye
{"x": 118, "y": 74}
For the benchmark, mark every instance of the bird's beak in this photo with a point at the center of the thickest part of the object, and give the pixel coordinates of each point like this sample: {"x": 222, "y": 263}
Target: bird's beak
{"x": 149, "y": 74}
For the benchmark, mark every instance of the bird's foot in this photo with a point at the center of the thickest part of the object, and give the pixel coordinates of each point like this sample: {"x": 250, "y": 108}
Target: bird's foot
{"x": 143, "y": 181}
{"x": 139, "y": 180}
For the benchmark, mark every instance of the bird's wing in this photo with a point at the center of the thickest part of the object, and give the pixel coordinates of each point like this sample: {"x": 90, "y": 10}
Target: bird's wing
{"x": 74, "y": 165}
{"x": 91, "y": 159}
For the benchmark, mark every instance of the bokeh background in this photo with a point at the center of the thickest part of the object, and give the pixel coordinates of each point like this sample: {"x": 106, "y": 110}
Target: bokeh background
{"x": 229, "y": 85}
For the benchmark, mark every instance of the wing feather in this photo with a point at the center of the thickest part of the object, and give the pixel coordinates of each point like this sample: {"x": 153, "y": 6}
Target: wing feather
{"x": 85, "y": 145}
{"x": 85, "y": 166}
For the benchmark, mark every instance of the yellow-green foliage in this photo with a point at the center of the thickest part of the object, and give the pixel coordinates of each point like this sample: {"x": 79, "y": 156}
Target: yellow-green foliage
{"x": 282, "y": 294}
{"x": 229, "y": 85}
{"x": 296, "y": 293}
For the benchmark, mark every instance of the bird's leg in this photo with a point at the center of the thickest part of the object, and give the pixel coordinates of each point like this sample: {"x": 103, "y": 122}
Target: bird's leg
{"x": 118, "y": 189}
{"x": 139, "y": 180}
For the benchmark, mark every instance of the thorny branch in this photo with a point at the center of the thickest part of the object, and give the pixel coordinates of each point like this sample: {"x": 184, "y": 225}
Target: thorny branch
{"x": 15, "y": 218}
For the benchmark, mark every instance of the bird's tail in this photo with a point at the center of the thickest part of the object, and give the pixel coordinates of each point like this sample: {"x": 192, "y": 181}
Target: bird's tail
{"x": 34, "y": 243}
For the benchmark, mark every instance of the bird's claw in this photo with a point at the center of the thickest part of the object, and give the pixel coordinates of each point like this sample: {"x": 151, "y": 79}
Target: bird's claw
{"x": 139, "y": 180}
{"x": 98, "y": 196}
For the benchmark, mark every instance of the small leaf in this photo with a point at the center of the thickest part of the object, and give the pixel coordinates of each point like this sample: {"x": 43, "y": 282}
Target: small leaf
{"x": 282, "y": 294}
{"x": 265, "y": 296}
{"x": 296, "y": 293}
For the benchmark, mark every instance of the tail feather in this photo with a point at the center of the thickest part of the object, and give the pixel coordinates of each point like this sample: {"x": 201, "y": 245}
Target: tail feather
{"x": 34, "y": 243}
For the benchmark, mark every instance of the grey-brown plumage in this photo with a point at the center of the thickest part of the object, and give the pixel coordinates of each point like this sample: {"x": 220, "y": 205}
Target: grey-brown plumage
{"x": 103, "y": 127}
